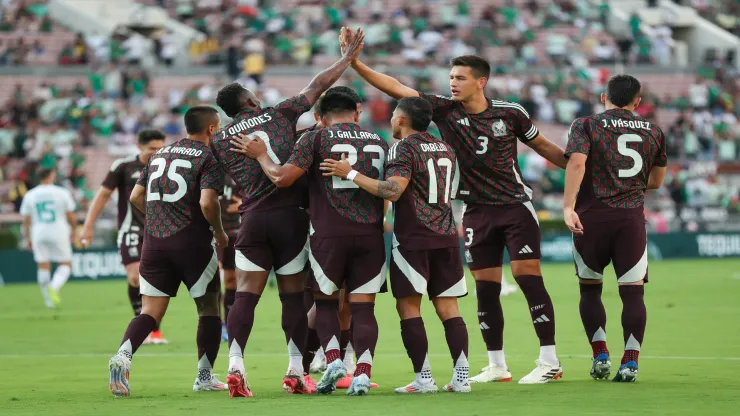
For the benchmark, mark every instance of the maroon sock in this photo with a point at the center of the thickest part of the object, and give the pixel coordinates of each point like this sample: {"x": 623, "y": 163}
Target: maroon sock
{"x": 365, "y": 336}
{"x": 540, "y": 307}
{"x": 228, "y": 299}
{"x": 295, "y": 322}
{"x": 312, "y": 345}
{"x": 134, "y": 297}
{"x": 327, "y": 326}
{"x": 208, "y": 340}
{"x": 343, "y": 342}
{"x": 307, "y": 298}
{"x": 240, "y": 324}
{"x": 634, "y": 318}
{"x": 593, "y": 316}
{"x": 138, "y": 329}
{"x": 414, "y": 337}
{"x": 456, "y": 334}
{"x": 490, "y": 314}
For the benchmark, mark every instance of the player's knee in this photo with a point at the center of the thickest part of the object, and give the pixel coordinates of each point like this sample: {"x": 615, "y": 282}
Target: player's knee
{"x": 492, "y": 274}
{"x": 408, "y": 307}
{"x": 207, "y": 305}
{"x": 591, "y": 281}
{"x": 154, "y": 306}
{"x": 252, "y": 282}
{"x": 312, "y": 317}
{"x": 637, "y": 283}
{"x": 526, "y": 267}
{"x": 291, "y": 283}
{"x": 230, "y": 279}
{"x": 446, "y": 308}
{"x": 361, "y": 298}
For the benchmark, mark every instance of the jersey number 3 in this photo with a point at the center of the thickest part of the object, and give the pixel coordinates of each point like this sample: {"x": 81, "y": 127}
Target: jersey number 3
{"x": 630, "y": 153}
{"x": 172, "y": 175}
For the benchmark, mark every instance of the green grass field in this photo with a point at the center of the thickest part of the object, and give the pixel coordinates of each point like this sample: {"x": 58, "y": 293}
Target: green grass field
{"x": 55, "y": 362}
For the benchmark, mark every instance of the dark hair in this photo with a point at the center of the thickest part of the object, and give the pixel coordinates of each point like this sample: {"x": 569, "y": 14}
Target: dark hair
{"x": 229, "y": 98}
{"x": 622, "y": 90}
{"x": 336, "y": 90}
{"x": 418, "y": 110}
{"x": 44, "y": 173}
{"x": 336, "y": 103}
{"x": 480, "y": 67}
{"x": 198, "y": 118}
{"x": 148, "y": 135}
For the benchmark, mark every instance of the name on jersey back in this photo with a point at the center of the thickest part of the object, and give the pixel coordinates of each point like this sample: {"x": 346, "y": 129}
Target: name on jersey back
{"x": 248, "y": 123}
{"x": 343, "y": 134}
{"x": 180, "y": 150}
{"x": 433, "y": 147}
{"x": 620, "y": 123}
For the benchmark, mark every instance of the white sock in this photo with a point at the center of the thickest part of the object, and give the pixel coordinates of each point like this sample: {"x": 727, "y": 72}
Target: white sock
{"x": 348, "y": 354}
{"x": 61, "y": 275}
{"x": 497, "y": 358}
{"x": 125, "y": 350}
{"x": 204, "y": 369}
{"x": 462, "y": 369}
{"x": 548, "y": 356}
{"x": 236, "y": 359}
{"x": 425, "y": 376}
{"x": 43, "y": 277}
{"x": 296, "y": 358}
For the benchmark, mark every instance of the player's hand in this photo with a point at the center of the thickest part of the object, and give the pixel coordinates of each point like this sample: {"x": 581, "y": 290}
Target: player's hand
{"x": 351, "y": 43}
{"x": 572, "y": 221}
{"x": 222, "y": 239}
{"x": 86, "y": 236}
{"x": 340, "y": 168}
{"x": 252, "y": 146}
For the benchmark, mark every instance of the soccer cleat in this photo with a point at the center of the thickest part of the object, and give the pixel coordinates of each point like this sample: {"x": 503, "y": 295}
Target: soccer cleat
{"x": 238, "y": 386}
{"x": 310, "y": 384}
{"x": 346, "y": 381}
{"x": 415, "y": 387}
{"x": 455, "y": 386}
{"x": 601, "y": 367}
{"x": 318, "y": 365}
{"x": 224, "y": 334}
{"x": 157, "y": 338}
{"x": 492, "y": 373}
{"x": 627, "y": 373}
{"x": 360, "y": 386}
{"x": 119, "y": 367}
{"x": 543, "y": 373}
{"x": 212, "y": 384}
{"x": 294, "y": 383}
{"x": 53, "y": 296}
{"x": 335, "y": 371}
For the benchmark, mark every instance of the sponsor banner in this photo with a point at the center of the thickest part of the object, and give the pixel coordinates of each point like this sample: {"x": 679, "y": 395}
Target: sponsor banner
{"x": 18, "y": 265}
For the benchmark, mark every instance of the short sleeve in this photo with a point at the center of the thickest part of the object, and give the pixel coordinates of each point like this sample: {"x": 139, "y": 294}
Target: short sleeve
{"x": 114, "y": 178}
{"x": 144, "y": 176}
{"x": 399, "y": 162}
{"x": 303, "y": 151}
{"x": 525, "y": 129}
{"x": 26, "y": 206}
{"x": 69, "y": 202}
{"x": 212, "y": 175}
{"x": 438, "y": 102}
{"x": 661, "y": 159}
{"x": 293, "y": 107}
{"x": 578, "y": 141}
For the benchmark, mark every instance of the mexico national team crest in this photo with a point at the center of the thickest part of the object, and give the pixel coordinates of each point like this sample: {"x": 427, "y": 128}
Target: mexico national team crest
{"x": 499, "y": 128}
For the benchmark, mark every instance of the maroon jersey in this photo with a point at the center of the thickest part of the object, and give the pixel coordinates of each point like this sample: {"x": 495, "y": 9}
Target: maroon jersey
{"x": 423, "y": 213}
{"x": 230, "y": 221}
{"x": 173, "y": 180}
{"x": 122, "y": 177}
{"x": 339, "y": 207}
{"x": 622, "y": 148}
{"x": 486, "y": 145}
{"x": 276, "y": 126}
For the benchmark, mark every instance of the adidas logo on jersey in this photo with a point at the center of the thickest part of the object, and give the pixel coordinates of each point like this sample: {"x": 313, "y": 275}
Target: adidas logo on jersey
{"x": 543, "y": 318}
{"x": 526, "y": 250}
{"x": 464, "y": 122}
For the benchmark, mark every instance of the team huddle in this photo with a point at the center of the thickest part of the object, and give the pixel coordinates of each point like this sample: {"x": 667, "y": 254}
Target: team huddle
{"x": 311, "y": 207}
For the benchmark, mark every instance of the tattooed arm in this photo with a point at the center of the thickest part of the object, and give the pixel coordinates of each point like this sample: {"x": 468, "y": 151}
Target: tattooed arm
{"x": 390, "y": 189}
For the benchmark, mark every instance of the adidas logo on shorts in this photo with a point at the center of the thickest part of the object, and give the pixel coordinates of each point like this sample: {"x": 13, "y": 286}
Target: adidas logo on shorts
{"x": 526, "y": 250}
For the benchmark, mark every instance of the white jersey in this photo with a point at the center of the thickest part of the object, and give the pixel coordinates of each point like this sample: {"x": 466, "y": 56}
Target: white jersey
{"x": 48, "y": 205}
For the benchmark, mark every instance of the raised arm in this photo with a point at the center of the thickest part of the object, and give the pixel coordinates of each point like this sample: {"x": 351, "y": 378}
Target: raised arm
{"x": 97, "y": 205}
{"x": 390, "y": 189}
{"x": 321, "y": 82}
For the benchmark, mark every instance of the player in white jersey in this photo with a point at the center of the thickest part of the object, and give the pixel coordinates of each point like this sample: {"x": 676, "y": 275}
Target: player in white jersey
{"x": 49, "y": 221}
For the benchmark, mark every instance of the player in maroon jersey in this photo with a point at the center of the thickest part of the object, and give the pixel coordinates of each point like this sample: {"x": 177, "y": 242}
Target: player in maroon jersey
{"x": 421, "y": 179}
{"x": 346, "y": 237}
{"x": 122, "y": 177}
{"x": 230, "y": 202}
{"x": 614, "y": 157}
{"x": 499, "y": 211}
{"x": 274, "y": 226}
{"x": 179, "y": 191}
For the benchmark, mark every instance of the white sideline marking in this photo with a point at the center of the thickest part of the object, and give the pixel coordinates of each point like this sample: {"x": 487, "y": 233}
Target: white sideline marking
{"x": 247, "y": 355}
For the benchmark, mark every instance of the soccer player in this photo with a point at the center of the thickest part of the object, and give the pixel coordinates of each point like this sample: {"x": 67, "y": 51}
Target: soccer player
{"x": 48, "y": 221}
{"x": 499, "y": 211}
{"x": 421, "y": 180}
{"x": 274, "y": 227}
{"x": 614, "y": 157}
{"x": 122, "y": 176}
{"x": 230, "y": 202}
{"x": 178, "y": 189}
{"x": 346, "y": 237}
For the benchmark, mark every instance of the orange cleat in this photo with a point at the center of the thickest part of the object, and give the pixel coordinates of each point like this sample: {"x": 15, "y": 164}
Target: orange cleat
{"x": 345, "y": 382}
{"x": 294, "y": 383}
{"x": 238, "y": 386}
{"x": 157, "y": 338}
{"x": 310, "y": 384}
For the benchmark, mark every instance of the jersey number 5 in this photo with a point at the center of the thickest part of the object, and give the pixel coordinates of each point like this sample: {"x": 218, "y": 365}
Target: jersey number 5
{"x": 630, "y": 153}
{"x": 351, "y": 152}
{"x": 172, "y": 175}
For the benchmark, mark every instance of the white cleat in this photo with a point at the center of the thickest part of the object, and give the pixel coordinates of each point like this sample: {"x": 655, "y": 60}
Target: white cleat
{"x": 335, "y": 371}
{"x": 543, "y": 373}
{"x": 148, "y": 340}
{"x": 318, "y": 365}
{"x": 491, "y": 374}
{"x": 455, "y": 386}
{"x": 210, "y": 384}
{"x": 119, "y": 368}
{"x": 415, "y": 387}
{"x": 360, "y": 386}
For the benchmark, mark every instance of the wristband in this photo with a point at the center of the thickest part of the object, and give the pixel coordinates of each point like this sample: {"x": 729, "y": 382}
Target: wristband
{"x": 351, "y": 175}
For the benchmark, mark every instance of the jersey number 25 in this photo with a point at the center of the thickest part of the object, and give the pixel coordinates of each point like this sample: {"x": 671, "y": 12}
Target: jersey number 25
{"x": 172, "y": 175}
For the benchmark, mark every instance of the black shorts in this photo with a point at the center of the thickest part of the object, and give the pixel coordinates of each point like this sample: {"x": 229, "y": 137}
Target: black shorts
{"x": 162, "y": 271}
{"x": 227, "y": 255}
{"x": 438, "y": 273}
{"x": 355, "y": 261}
{"x": 622, "y": 242}
{"x": 129, "y": 246}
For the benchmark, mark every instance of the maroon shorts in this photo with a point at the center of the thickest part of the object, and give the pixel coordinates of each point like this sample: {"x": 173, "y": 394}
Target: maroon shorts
{"x": 490, "y": 228}
{"x": 129, "y": 246}
{"x": 162, "y": 271}
{"x": 274, "y": 239}
{"x": 357, "y": 261}
{"x": 622, "y": 242}
{"x": 438, "y": 273}
{"x": 227, "y": 255}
